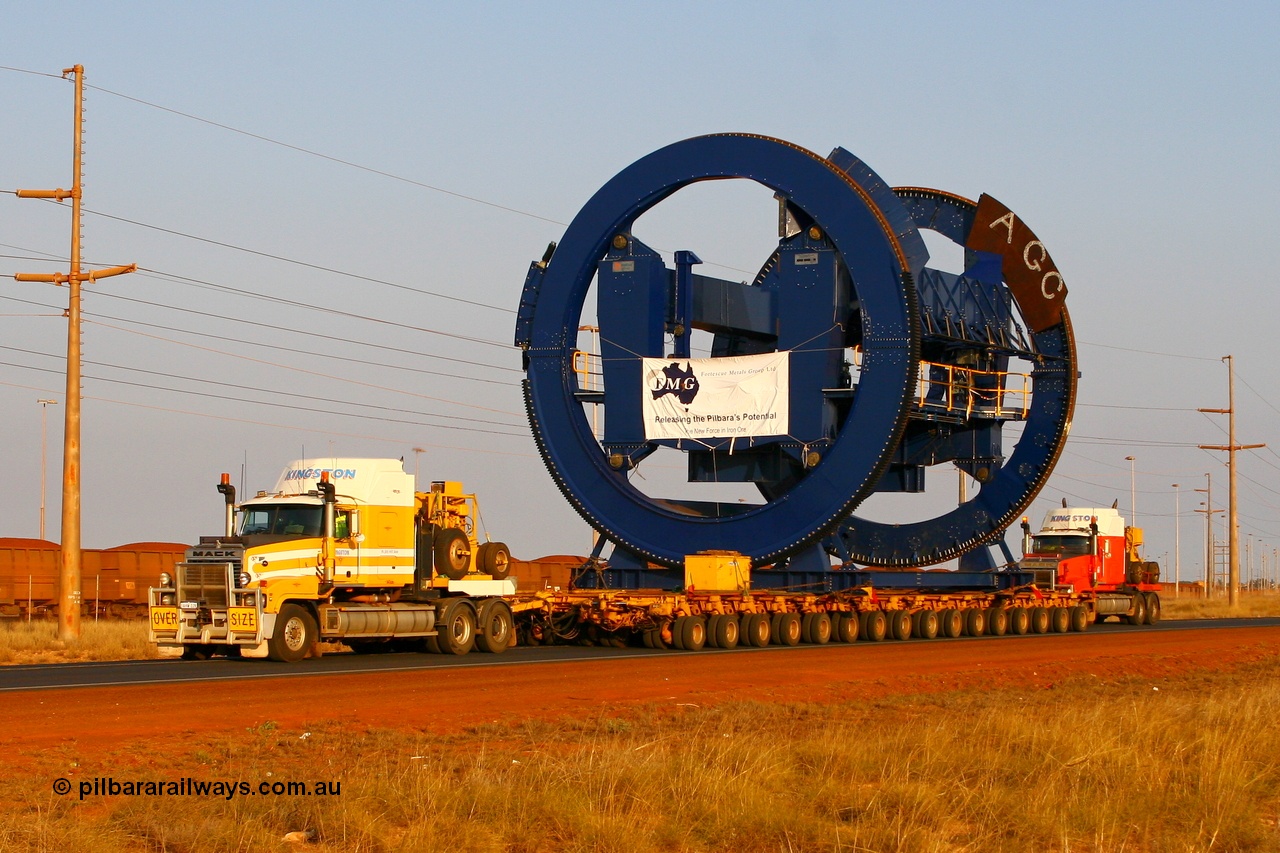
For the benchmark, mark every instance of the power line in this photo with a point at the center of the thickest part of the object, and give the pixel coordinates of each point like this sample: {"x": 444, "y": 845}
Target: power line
{"x": 274, "y": 405}
{"x": 304, "y": 371}
{"x": 331, "y": 158}
{"x": 1149, "y": 352}
{"x": 283, "y": 426}
{"x": 255, "y": 388}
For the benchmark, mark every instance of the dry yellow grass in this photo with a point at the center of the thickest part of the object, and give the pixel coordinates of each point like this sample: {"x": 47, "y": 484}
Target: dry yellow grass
{"x": 1181, "y": 764}
{"x": 1250, "y": 606}
{"x": 37, "y": 642}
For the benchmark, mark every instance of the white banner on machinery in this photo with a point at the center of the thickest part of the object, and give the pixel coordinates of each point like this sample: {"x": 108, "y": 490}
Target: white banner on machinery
{"x": 710, "y": 398}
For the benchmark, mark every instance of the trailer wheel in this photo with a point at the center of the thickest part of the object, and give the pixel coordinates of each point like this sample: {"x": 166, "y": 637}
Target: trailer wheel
{"x": 452, "y": 553}
{"x": 713, "y": 622}
{"x": 786, "y": 629}
{"x": 951, "y": 623}
{"x": 1061, "y": 619}
{"x": 1079, "y": 618}
{"x": 294, "y": 636}
{"x": 975, "y": 622}
{"x": 926, "y": 625}
{"x": 1019, "y": 620}
{"x": 756, "y": 629}
{"x": 846, "y": 628}
{"x": 1153, "y": 608}
{"x": 875, "y": 626}
{"x": 497, "y": 627}
{"x": 494, "y": 558}
{"x": 815, "y": 628}
{"x": 690, "y": 633}
{"x": 653, "y": 639}
{"x": 900, "y": 625}
{"x": 456, "y": 627}
{"x": 726, "y": 632}
{"x": 997, "y": 621}
{"x": 1139, "y": 605}
{"x": 1039, "y": 620}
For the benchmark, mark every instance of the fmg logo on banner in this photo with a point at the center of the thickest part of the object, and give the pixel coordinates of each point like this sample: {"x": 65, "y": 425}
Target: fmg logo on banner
{"x": 708, "y": 398}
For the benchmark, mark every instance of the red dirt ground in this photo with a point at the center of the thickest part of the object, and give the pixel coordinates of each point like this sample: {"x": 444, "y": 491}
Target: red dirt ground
{"x": 96, "y": 721}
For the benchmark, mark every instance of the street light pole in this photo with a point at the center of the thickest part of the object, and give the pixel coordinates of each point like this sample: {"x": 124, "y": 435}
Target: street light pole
{"x": 1133, "y": 493}
{"x": 1177, "y": 547}
{"x": 44, "y": 452}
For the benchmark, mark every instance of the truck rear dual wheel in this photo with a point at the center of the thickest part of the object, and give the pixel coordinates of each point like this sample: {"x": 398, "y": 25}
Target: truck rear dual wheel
{"x": 816, "y": 628}
{"x": 1019, "y": 621}
{"x": 900, "y": 625}
{"x": 456, "y": 628}
{"x": 786, "y": 629}
{"x": 1040, "y": 620}
{"x": 1079, "y": 618}
{"x": 1153, "y": 608}
{"x": 1060, "y": 619}
{"x": 497, "y": 627}
{"x": 294, "y": 635}
{"x": 1138, "y": 614}
{"x": 756, "y": 629}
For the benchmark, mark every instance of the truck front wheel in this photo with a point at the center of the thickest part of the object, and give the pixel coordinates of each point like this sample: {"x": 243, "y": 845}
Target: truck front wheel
{"x": 294, "y": 636}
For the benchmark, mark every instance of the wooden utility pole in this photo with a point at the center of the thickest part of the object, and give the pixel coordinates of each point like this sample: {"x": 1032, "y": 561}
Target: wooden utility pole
{"x": 1233, "y": 520}
{"x": 69, "y": 588}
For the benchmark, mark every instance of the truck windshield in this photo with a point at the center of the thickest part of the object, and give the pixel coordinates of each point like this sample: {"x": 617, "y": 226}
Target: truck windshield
{"x": 1065, "y": 546}
{"x": 288, "y": 519}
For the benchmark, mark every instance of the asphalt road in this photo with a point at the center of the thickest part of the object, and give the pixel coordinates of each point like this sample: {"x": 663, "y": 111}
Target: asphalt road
{"x": 122, "y": 673}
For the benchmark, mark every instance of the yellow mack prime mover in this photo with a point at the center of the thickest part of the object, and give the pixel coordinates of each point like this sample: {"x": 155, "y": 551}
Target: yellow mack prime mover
{"x": 342, "y": 550}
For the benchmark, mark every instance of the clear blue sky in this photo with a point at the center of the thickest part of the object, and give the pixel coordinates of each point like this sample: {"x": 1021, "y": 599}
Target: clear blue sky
{"x": 1136, "y": 139}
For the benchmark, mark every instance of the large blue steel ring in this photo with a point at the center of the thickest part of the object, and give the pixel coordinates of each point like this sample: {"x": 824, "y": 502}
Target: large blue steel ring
{"x": 873, "y": 427}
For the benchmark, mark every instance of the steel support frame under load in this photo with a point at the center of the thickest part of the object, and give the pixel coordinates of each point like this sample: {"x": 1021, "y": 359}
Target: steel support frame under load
{"x": 617, "y": 614}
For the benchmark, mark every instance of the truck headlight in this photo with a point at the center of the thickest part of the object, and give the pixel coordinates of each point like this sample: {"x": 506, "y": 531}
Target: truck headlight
{"x": 243, "y": 579}
{"x": 166, "y": 579}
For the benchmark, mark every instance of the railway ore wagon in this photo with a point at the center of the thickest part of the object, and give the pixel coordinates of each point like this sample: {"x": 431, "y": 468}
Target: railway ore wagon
{"x": 114, "y": 581}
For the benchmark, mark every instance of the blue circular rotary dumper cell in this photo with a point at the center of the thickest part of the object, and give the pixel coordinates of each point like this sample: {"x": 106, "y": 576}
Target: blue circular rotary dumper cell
{"x": 863, "y": 447}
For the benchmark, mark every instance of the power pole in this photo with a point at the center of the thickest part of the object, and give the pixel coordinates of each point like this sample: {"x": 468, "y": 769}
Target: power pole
{"x": 69, "y": 587}
{"x": 1233, "y": 520}
{"x": 44, "y": 446}
{"x": 1177, "y": 544}
{"x": 1209, "y": 564}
